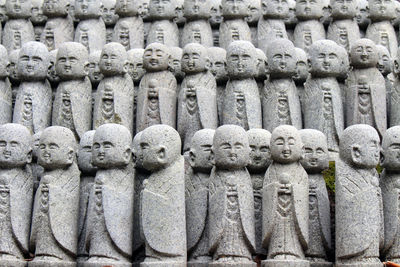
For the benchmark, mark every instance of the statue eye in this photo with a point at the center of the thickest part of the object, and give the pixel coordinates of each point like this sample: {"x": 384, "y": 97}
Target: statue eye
{"x": 308, "y": 150}
{"x": 2, "y": 143}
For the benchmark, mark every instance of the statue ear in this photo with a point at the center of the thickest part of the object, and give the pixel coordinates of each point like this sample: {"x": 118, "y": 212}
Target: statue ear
{"x": 67, "y": 6}
{"x": 101, "y": 9}
{"x": 396, "y": 66}
{"x": 192, "y": 156}
{"x": 382, "y": 158}
{"x": 86, "y": 68}
{"x": 29, "y": 157}
{"x": 70, "y": 156}
{"x": 8, "y": 68}
{"x": 126, "y": 66}
{"x": 355, "y": 153}
{"x": 127, "y": 155}
{"x": 208, "y": 64}
{"x": 161, "y": 154}
{"x": 309, "y": 65}
{"x": 212, "y": 157}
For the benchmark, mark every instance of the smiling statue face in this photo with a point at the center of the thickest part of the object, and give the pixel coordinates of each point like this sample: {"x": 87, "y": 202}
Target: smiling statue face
{"x": 156, "y": 57}
{"x": 381, "y": 9}
{"x": 15, "y": 146}
{"x": 324, "y": 58}
{"x": 286, "y": 145}
{"x": 18, "y": 8}
{"x": 385, "y": 62}
{"x": 33, "y": 61}
{"x": 363, "y": 53}
{"x": 275, "y": 8}
{"x": 316, "y": 157}
{"x": 136, "y": 69}
{"x": 194, "y": 58}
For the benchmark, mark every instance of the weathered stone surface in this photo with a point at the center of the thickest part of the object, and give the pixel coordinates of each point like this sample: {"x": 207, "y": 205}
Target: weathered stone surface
{"x": 136, "y": 69}
{"x": 37, "y": 17}
{"x": 91, "y": 32}
{"x": 108, "y": 13}
{"x": 216, "y": 14}
{"x": 5, "y": 88}
{"x": 94, "y": 73}
{"x": 175, "y": 63}
{"x": 362, "y": 16}
{"x": 358, "y": 216}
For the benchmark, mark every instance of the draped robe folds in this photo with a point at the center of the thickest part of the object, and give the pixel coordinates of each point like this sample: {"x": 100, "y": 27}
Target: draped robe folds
{"x": 163, "y": 31}
{"x": 136, "y": 31}
{"x": 276, "y": 226}
{"x": 96, "y": 34}
{"x": 61, "y": 217}
{"x": 352, "y": 32}
{"x": 394, "y": 103}
{"x": 375, "y": 32}
{"x": 269, "y": 30}
{"x": 205, "y": 34}
{"x": 257, "y": 180}
{"x": 80, "y": 94}
{"x": 85, "y": 188}
{"x": 225, "y": 32}
{"x": 5, "y": 101}
{"x": 26, "y": 33}
{"x": 316, "y": 30}
{"x": 63, "y": 31}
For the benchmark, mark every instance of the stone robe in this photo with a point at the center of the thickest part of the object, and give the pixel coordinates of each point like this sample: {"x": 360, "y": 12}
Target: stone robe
{"x": 135, "y": 30}
{"x": 233, "y": 30}
{"x": 16, "y": 33}
{"x": 5, "y": 101}
{"x": 307, "y": 32}
{"x": 197, "y": 31}
{"x": 164, "y": 32}
{"x": 383, "y": 33}
{"x": 344, "y": 32}
{"x": 91, "y": 33}
{"x": 62, "y": 30}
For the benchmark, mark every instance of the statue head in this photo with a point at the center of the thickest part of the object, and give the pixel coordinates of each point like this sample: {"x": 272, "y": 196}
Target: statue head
{"x": 136, "y": 69}
{"x": 291, "y": 19}
{"x": 278, "y": 9}
{"x": 196, "y": 9}
{"x": 113, "y": 59}
{"x": 316, "y": 156}
{"x": 260, "y": 153}
{"x": 241, "y": 57}
{"x": 108, "y": 12}
{"x": 56, "y": 8}
{"x": 85, "y": 9}
{"x": 4, "y": 62}
{"x": 381, "y": 10}
{"x": 261, "y": 65}
{"x": 216, "y": 13}
{"x": 175, "y": 61}
{"x": 94, "y": 73}
{"x": 136, "y": 151}
{"x": 72, "y": 61}
{"x": 3, "y": 11}
{"x": 385, "y": 62}
{"x": 111, "y": 146}
{"x": 359, "y": 146}
{"x": 286, "y": 145}
{"x": 13, "y": 67}
{"x": 281, "y": 58}
{"x": 36, "y": 145}
{"x": 160, "y": 146}
{"x": 344, "y": 9}
{"x": 37, "y": 16}
{"x": 179, "y": 19}
{"x": 127, "y": 8}
{"x": 301, "y": 65}
{"x": 391, "y": 149}
{"x": 162, "y": 9}
{"x": 217, "y": 56}
{"x": 231, "y": 147}
{"x": 362, "y": 16}
{"x": 254, "y": 12}
{"x": 33, "y": 61}
{"x": 200, "y": 155}
{"x": 57, "y": 148}
{"x": 324, "y": 59}
{"x": 15, "y": 146}
{"x": 235, "y": 8}
{"x": 144, "y": 8}
{"x": 309, "y": 9}
{"x": 85, "y": 153}
{"x": 18, "y": 9}
{"x": 194, "y": 58}
{"x": 156, "y": 57}
{"x": 363, "y": 54}
{"x": 396, "y": 20}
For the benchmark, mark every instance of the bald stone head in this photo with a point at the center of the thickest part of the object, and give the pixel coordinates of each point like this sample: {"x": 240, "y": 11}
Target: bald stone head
{"x": 309, "y": 9}
{"x": 391, "y": 149}
{"x": 159, "y": 10}
{"x": 324, "y": 58}
{"x": 359, "y": 146}
{"x": 94, "y": 73}
{"x": 111, "y": 146}
{"x": 85, "y": 153}
{"x": 175, "y": 61}
{"x": 286, "y": 144}
{"x": 200, "y": 154}
{"x": 136, "y": 69}
{"x": 216, "y": 13}
{"x": 113, "y": 59}
{"x": 37, "y": 16}
{"x": 316, "y": 157}
{"x": 235, "y": 9}
{"x": 381, "y": 10}
{"x": 57, "y": 8}
{"x": 160, "y": 146}
{"x": 291, "y": 19}
{"x": 15, "y": 146}
{"x": 385, "y": 62}
{"x": 194, "y": 9}
{"x": 231, "y": 147}
{"x": 33, "y": 61}
{"x": 136, "y": 151}
{"x": 88, "y": 9}
{"x": 13, "y": 68}
{"x": 108, "y": 12}
{"x": 217, "y": 56}
{"x": 261, "y": 64}
{"x": 156, "y": 57}
{"x": 301, "y": 65}
{"x": 241, "y": 57}
{"x": 194, "y": 59}
{"x": 254, "y": 12}
{"x": 72, "y": 61}
{"x": 344, "y": 9}
{"x": 126, "y": 8}
{"x": 363, "y": 54}
{"x": 260, "y": 153}
{"x": 18, "y": 9}
{"x": 275, "y": 9}
{"x": 281, "y": 58}
{"x": 362, "y": 16}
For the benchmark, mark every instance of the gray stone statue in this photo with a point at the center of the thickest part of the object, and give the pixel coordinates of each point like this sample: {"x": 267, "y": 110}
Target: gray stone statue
{"x": 110, "y": 209}
{"x": 3, "y": 12}
{"x": 59, "y": 27}
{"x": 91, "y": 29}
{"x": 261, "y": 75}
{"x": 216, "y": 14}
{"x": 230, "y": 200}
{"x": 94, "y": 73}
{"x": 34, "y": 99}
{"x": 359, "y": 214}
{"x": 157, "y": 97}
{"x": 362, "y": 16}
{"x": 115, "y": 93}
{"x": 136, "y": 69}
{"x": 253, "y": 18}
{"x": 291, "y": 19}
{"x": 308, "y": 28}
{"x": 52, "y": 75}
{"x": 316, "y": 160}
{"x": 37, "y": 18}
{"x": 88, "y": 172}
{"x": 72, "y": 105}
{"x": 344, "y": 29}
{"x": 271, "y": 25}
{"x": 54, "y": 232}
{"x": 241, "y": 101}
{"x": 280, "y": 100}
{"x": 13, "y": 73}
{"x": 197, "y": 99}
{"x": 16, "y": 194}
{"x": 234, "y": 27}
{"x": 110, "y": 18}
{"x": 197, "y": 28}
{"x": 385, "y": 66}
{"x": 163, "y": 28}
{"x": 5, "y": 88}
{"x": 129, "y": 30}
{"x": 196, "y": 183}
{"x": 175, "y": 63}
{"x": 163, "y": 198}
{"x": 260, "y": 159}
{"x": 394, "y": 102}
{"x": 180, "y": 19}
{"x": 301, "y": 71}
{"x": 322, "y": 102}
{"x": 18, "y": 30}
{"x": 285, "y": 201}
{"x": 365, "y": 88}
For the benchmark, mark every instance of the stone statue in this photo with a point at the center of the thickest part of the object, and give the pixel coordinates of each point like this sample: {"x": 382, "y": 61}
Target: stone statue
{"x": 285, "y": 201}
{"x": 234, "y": 27}
{"x": 91, "y": 29}
{"x": 37, "y": 18}
{"x": 111, "y": 199}
{"x": 16, "y": 193}
{"x": 316, "y": 160}
{"x": 271, "y": 25}
{"x": 163, "y": 198}
{"x": 365, "y": 88}
{"x": 280, "y": 100}
{"x": 362, "y": 16}
{"x": 175, "y": 63}
{"x": 241, "y": 101}
{"x": 261, "y": 75}
{"x": 359, "y": 213}
{"x": 180, "y": 19}
{"x": 115, "y": 93}
{"x": 54, "y": 232}
{"x": 309, "y": 28}
{"x": 18, "y": 30}
{"x": 94, "y": 73}
{"x": 5, "y": 88}
{"x": 196, "y": 183}
{"x": 72, "y": 106}
{"x": 322, "y": 103}
{"x": 156, "y": 101}
{"x": 163, "y": 28}
{"x": 37, "y": 170}
{"x": 253, "y": 18}
{"x": 291, "y": 19}
{"x": 394, "y": 103}
{"x": 129, "y": 30}
{"x": 197, "y": 28}
{"x": 59, "y": 27}
{"x": 13, "y": 73}
{"x": 34, "y": 99}
{"x": 136, "y": 69}
{"x": 385, "y": 66}
{"x": 110, "y": 18}
{"x": 344, "y": 29}
{"x": 216, "y": 14}
{"x": 144, "y": 9}
{"x": 260, "y": 159}
{"x": 230, "y": 200}
{"x": 197, "y": 99}
{"x": 396, "y": 21}
{"x": 3, "y": 12}
{"x": 88, "y": 172}
{"x": 301, "y": 71}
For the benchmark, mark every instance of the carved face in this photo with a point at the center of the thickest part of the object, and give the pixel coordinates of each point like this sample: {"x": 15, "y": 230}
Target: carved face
{"x": 109, "y": 152}
{"x": 362, "y": 16}
{"x": 37, "y": 16}
{"x": 52, "y": 75}
{"x": 36, "y": 145}
{"x": 382, "y": 9}
{"x": 366, "y": 154}
{"x": 254, "y": 11}
{"x": 13, "y": 57}
{"x": 301, "y": 65}
{"x": 309, "y": 9}
{"x": 32, "y": 63}
{"x": 282, "y": 61}
{"x": 87, "y": 8}
{"x": 200, "y": 153}
{"x": 197, "y": 8}
{"x": 234, "y": 8}
{"x": 70, "y": 64}
{"x": 325, "y": 61}
{"x": 286, "y": 146}
{"x": 175, "y": 64}
{"x": 3, "y": 13}
{"x": 14, "y": 150}
{"x": 144, "y": 8}
{"x": 216, "y": 13}
{"x": 18, "y": 8}
{"x": 275, "y": 8}
{"x": 55, "y": 7}
{"x": 162, "y": 8}
{"x": 109, "y": 16}
{"x": 385, "y": 62}
{"x": 85, "y": 153}
{"x": 391, "y": 149}
{"x": 136, "y": 69}
{"x": 364, "y": 53}
{"x": 54, "y": 152}
{"x": 316, "y": 157}
{"x": 112, "y": 61}
{"x": 291, "y": 19}
{"x": 155, "y": 58}
{"x": 125, "y": 7}
{"x": 241, "y": 62}
{"x": 344, "y": 8}
{"x": 260, "y": 154}
{"x": 193, "y": 60}
{"x": 218, "y": 66}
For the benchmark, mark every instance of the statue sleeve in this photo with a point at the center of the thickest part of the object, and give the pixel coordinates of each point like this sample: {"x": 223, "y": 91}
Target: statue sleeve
{"x": 269, "y": 204}
{"x": 324, "y": 214}
{"x": 300, "y": 197}
{"x": 81, "y": 106}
